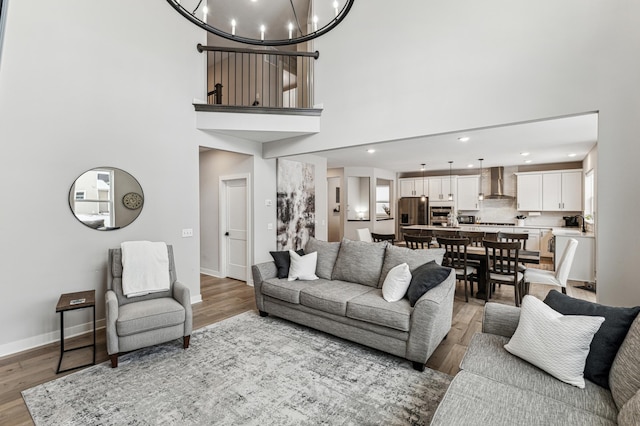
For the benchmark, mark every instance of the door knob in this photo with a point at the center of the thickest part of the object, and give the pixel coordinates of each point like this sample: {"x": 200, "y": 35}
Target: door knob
{"x": 226, "y": 234}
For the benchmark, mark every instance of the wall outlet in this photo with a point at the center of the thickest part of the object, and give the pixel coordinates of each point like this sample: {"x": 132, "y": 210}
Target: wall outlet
{"x": 269, "y": 226}
{"x": 186, "y": 233}
{"x": 268, "y": 203}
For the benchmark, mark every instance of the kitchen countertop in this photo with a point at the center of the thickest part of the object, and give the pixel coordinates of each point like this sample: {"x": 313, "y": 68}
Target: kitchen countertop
{"x": 572, "y": 232}
{"x": 556, "y": 230}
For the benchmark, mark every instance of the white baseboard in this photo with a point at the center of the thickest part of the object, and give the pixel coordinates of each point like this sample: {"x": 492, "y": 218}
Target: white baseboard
{"x": 47, "y": 338}
{"x": 211, "y": 272}
{"x": 196, "y": 299}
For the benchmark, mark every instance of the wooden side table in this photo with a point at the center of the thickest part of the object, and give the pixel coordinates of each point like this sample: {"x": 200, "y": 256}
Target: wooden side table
{"x": 71, "y": 302}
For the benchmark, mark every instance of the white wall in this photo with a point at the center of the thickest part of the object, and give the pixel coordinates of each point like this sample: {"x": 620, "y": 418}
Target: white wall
{"x": 469, "y": 64}
{"x": 85, "y": 85}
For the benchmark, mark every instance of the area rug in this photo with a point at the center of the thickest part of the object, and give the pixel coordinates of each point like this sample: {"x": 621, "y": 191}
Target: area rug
{"x": 246, "y": 370}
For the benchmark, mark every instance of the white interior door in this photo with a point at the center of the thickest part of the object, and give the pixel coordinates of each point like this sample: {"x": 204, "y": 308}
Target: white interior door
{"x": 236, "y": 228}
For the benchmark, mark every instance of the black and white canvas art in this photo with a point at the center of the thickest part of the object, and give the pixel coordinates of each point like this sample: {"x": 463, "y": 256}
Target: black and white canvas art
{"x": 296, "y": 204}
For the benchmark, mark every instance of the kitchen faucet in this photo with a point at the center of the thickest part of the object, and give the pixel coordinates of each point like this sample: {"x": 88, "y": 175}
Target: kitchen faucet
{"x": 582, "y": 217}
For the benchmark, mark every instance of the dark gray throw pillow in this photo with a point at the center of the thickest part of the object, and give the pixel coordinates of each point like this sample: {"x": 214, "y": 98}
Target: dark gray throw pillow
{"x": 424, "y": 278}
{"x": 283, "y": 261}
{"x": 606, "y": 341}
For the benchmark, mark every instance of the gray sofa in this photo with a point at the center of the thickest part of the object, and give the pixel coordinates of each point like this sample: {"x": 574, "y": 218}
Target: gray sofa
{"x": 347, "y": 299}
{"x": 497, "y": 388}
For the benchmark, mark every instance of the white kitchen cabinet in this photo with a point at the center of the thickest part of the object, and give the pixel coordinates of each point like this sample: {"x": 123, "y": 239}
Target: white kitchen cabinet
{"x": 412, "y": 187}
{"x": 562, "y": 191}
{"x": 529, "y": 192}
{"x": 440, "y": 188}
{"x": 584, "y": 261}
{"x": 533, "y": 240}
{"x": 467, "y": 194}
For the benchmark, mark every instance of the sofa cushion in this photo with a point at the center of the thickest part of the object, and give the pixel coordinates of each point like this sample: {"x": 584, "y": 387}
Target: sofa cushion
{"x": 394, "y": 256}
{"x": 332, "y": 296}
{"x": 608, "y": 338}
{"x": 282, "y": 260}
{"x": 371, "y": 307}
{"x": 327, "y": 255}
{"x": 289, "y": 291}
{"x": 624, "y": 378}
{"x": 477, "y": 400}
{"x": 487, "y": 357}
{"x": 556, "y": 343}
{"x": 149, "y": 315}
{"x": 359, "y": 262}
{"x": 424, "y": 278}
{"x": 630, "y": 413}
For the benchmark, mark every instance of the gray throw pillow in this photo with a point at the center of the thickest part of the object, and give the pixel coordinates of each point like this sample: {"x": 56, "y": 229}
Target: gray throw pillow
{"x": 282, "y": 260}
{"x": 359, "y": 262}
{"x": 424, "y": 278}
{"x": 327, "y": 255}
{"x": 607, "y": 340}
{"x": 395, "y": 256}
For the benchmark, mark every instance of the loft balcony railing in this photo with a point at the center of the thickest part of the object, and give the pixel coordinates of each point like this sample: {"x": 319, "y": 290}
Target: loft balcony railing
{"x": 259, "y": 78}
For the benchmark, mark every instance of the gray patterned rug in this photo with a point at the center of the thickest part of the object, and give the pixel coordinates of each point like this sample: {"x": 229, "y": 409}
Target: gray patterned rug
{"x": 246, "y": 370}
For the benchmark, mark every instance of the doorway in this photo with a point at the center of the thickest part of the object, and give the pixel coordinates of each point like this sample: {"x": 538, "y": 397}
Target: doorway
{"x": 235, "y": 226}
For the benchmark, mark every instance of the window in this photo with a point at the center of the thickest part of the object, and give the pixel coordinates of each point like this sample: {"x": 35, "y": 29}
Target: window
{"x": 589, "y": 196}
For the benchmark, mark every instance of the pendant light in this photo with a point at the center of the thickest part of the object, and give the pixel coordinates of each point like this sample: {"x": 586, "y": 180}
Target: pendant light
{"x": 423, "y": 197}
{"x": 480, "y": 194}
{"x": 450, "y": 185}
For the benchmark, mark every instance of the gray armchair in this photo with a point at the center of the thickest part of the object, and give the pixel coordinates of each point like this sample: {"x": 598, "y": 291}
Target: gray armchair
{"x": 138, "y": 322}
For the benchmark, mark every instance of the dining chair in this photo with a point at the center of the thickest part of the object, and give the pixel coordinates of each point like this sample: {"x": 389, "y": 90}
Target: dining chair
{"x": 475, "y": 240}
{"x": 383, "y": 237}
{"x": 502, "y": 266}
{"x": 455, "y": 257}
{"x": 520, "y": 238}
{"x": 364, "y": 234}
{"x": 561, "y": 274}
{"x": 475, "y": 237}
{"x": 415, "y": 242}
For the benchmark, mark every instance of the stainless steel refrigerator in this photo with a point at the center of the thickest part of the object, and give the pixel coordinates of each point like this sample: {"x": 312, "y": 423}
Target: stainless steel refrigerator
{"x": 412, "y": 211}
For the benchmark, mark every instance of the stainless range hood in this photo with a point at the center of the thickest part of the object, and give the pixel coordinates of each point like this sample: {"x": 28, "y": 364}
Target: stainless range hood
{"x": 497, "y": 185}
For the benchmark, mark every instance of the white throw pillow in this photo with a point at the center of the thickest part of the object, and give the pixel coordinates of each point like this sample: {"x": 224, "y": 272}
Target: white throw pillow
{"x": 555, "y": 343}
{"x": 396, "y": 283}
{"x": 303, "y": 267}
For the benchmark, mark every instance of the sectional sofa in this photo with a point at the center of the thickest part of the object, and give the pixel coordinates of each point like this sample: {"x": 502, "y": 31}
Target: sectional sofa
{"x": 347, "y": 300}
{"x": 495, "y": 387}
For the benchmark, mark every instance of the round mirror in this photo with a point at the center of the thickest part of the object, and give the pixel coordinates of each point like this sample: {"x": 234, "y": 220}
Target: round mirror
{"x": 262, "y": 22}
{"x": 106, "y": 198}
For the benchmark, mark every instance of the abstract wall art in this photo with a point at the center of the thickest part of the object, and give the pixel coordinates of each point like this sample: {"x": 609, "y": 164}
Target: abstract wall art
{"x": 296, "y": 208}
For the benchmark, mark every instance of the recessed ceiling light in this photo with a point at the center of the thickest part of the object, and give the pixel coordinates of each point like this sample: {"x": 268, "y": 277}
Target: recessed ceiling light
{"x": 469, "y": 165}
{"x": 371, "y": 150}
{"x": 464, "y": 138}
{"x": 572, "y": 154}
{"x": 524, "y": 154}
{"x": 527, "y": 161}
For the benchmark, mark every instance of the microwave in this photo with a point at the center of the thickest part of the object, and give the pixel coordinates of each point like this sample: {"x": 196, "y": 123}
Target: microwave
{"x": 467, "y": 219}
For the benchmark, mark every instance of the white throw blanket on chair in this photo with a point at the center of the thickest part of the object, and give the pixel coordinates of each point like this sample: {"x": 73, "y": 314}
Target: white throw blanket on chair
{"x": 145, "y": 268}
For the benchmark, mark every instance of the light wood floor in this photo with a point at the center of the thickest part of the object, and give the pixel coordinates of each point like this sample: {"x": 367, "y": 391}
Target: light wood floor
{"x": 221, "y": 299}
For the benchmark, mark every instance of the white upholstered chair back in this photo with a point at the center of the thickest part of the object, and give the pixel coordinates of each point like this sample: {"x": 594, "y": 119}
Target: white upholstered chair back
{"x": 364, "y": 234}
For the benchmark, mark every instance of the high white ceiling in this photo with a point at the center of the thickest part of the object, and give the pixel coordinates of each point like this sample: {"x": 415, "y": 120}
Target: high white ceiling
{"x": 548, "y": 141}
